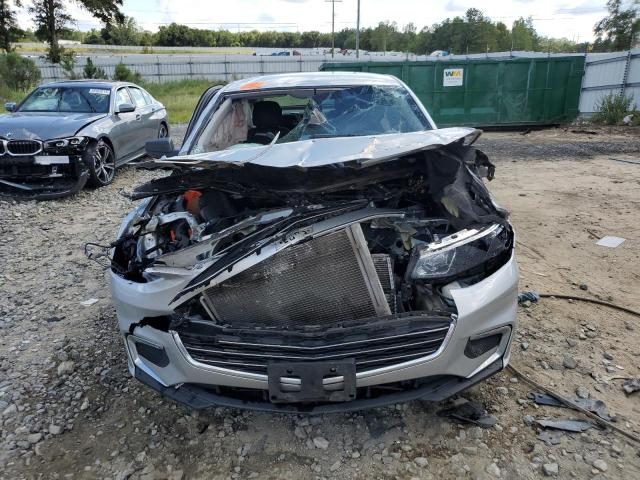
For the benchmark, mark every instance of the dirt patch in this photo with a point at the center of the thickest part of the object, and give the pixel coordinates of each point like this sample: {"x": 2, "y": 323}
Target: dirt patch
{"x": 70, "y": 410}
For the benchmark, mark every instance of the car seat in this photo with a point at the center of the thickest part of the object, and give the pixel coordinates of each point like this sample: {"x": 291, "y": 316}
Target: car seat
{"x": 268, "y": 121}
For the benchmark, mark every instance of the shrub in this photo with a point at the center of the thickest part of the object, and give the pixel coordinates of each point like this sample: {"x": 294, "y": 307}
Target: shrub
{"x": 91, "y": 71}
{"x": 612, "y": 108}
{"x": 123, "y": 74}
{"x": 18, "y": 73}
{"x": 68, "y": 64}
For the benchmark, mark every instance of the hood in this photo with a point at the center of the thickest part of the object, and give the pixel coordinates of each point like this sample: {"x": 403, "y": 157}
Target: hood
{"x": 44, "y": 125}
{"x": 327, "y": 151}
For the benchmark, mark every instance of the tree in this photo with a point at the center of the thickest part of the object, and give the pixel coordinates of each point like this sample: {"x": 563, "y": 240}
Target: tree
{"x": 121, "y": 32}
{"x": 91, "y": 71}
{"x": 619, "y": 30}
{"x": 523, "y": 35}
{"x": 18, "y": 73}
{"x": 51, "y": 19}
{"x": 8, "y": 26}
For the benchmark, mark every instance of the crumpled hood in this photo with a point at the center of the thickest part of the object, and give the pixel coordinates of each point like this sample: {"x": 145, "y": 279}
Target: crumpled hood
{"x": 44, "y": 125}
{"x": 327, "y": 151}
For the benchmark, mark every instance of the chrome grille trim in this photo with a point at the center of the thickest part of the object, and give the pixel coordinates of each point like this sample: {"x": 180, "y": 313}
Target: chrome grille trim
{"x": 359, "y": 375}
{"x": 333, "y": 345}
{"x": 28, "y": 147}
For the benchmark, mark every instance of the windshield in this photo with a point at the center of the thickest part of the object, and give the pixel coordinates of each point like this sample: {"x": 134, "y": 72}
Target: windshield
{"x": 67, "y": 99}
{"x": 358, "y": 111}
{"x": 244, "y": 120}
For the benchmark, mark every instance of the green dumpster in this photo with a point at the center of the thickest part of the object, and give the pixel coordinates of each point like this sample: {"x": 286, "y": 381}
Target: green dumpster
{"x": 489, "y": 91}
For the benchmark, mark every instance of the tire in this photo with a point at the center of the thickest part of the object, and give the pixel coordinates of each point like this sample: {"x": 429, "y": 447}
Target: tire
{"x": 163, "y": 131}
{"x": 101, "y": 161}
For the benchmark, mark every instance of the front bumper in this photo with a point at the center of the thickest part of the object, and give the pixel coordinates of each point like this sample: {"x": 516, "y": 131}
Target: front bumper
{"x": 23, "y": 177}
{"x": 484, "y": 309}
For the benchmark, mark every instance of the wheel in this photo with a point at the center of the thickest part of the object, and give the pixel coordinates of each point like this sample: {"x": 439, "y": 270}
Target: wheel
{"x": 102, "y": 164}
{"x": 163, "y": 131}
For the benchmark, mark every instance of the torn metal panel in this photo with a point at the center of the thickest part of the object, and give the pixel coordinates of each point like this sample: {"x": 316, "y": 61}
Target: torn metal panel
{"x": 365, "y": 150}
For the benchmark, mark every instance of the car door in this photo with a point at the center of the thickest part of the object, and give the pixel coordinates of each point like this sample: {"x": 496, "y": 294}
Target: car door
{"x": 124, "y": 126}
{"x": 148, "y": 128}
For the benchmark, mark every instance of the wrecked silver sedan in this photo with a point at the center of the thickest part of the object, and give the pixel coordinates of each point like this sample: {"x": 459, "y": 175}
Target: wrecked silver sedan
{"x": 319, "y": 246}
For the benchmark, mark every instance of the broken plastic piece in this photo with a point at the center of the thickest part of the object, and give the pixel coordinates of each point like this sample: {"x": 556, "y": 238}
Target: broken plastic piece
{"x": 531, "y": 296}
{"x": 609, "y": 241}
{"x": 469, "y": 412}
{"x": 594, "y": 406}
{"x": 89, "y": 302}
{"x": 566, "y": 425}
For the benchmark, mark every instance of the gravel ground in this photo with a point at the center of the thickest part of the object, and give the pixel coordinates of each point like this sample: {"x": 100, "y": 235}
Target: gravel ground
{"x": 68, "y": 408}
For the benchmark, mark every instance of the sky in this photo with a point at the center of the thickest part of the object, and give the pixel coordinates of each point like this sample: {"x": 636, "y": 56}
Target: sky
{"x": 555, "y": 18}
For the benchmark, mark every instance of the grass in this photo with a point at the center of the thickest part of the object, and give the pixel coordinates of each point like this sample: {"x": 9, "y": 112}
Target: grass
{"x": 179, "y": 97}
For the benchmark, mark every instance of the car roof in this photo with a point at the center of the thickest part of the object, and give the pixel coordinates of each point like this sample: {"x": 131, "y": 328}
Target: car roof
{"x": 310, "y": 79}
{"x": 87, "y": 83}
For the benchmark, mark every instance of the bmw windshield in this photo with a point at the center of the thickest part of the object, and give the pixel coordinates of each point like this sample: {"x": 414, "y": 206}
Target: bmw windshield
{"x": 67, "y": 99}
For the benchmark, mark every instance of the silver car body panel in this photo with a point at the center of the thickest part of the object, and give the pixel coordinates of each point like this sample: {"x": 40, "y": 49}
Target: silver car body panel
{"x": 366, "y": 150}
{"x": 484, "y": 308}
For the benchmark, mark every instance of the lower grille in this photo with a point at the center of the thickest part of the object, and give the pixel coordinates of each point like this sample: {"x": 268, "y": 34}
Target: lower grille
{"x": 23, "y": 147}
{"x": 322, "y": 281}
{"x": 376, "y": 343}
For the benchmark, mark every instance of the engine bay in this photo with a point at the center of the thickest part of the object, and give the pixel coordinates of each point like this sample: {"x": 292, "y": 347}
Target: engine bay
{"x": 275, "y": 238}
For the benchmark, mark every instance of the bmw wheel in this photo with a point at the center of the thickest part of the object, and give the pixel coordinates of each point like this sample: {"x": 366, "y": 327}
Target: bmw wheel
{"x": 102, "y": 164}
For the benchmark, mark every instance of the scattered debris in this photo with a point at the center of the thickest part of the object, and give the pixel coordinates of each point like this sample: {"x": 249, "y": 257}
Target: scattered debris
{"x": 469, "y": 412}
{"x": 594, "y": 406}
{"x": 632, "y": 385}
{"x": 586, "y": 132}
{"x": 89, "y": 302}
{"x": 566, "y": 425}
{"x": 528, "y": 296}
{"x": 609, "y": 241}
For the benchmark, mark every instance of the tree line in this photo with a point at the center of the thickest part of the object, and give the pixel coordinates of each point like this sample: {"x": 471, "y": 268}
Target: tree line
{"x": 472, "y": 33}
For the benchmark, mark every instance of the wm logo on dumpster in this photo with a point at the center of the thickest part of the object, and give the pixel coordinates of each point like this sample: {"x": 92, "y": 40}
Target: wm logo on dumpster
{"x": 453, "y": 77}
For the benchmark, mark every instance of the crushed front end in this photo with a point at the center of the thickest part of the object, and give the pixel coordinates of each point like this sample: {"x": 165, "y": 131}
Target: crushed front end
{"x": 33, "y": 169}
{"x": 332, "y": 288}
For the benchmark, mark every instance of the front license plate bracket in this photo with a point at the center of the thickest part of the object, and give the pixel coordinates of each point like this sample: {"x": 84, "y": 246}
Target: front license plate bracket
{"x": 312, "y": 381}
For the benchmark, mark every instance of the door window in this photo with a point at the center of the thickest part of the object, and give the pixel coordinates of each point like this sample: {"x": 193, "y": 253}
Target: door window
{"x": 138, "y": 97}
{"x": 122, "y": 96}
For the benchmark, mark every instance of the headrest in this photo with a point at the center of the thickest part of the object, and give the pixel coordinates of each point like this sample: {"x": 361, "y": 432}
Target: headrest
{"x": 267, "y": 114}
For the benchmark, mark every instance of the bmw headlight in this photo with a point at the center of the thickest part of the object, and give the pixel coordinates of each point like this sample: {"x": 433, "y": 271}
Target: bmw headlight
{"x": 463, "y": 251}
{"x": 66, "y": 145}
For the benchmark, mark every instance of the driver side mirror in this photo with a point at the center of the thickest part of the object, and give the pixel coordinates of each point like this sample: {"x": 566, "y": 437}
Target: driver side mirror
{"x": 125, "y": 108}
{"x": 10, "y": 106}
{"x": 162, "y": 147}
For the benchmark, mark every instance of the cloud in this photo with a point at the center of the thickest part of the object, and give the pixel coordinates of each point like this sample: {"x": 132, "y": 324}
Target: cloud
{"x": 453, "y": 6}
{"x": 585, "y": 8}
{"x": 266, "y": 18}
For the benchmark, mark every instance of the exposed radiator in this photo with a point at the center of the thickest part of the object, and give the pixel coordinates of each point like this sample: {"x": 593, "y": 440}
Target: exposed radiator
{"x": 383, "y": 264}
{"x": 325, "y": 280}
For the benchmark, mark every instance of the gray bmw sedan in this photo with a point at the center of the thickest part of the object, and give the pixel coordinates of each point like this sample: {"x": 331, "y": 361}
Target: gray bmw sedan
{"x": 64, "y": 135}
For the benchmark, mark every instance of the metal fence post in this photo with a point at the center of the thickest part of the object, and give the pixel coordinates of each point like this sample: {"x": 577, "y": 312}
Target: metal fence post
{"x": 158, "y": 69}
{"x": 190, "y": 67}
{"x": 226, "y": 69}
{"x": 625, "y": 75}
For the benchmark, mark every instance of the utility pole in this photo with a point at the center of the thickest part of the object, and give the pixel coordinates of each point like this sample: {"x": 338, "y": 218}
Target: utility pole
{"x": 333, "y": 23}
{"x": 358, "y": 32}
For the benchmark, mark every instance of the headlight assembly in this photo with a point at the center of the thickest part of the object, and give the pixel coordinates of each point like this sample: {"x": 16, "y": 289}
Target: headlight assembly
{"x": 66, "y": 145}
{"x": 460, "y": 252}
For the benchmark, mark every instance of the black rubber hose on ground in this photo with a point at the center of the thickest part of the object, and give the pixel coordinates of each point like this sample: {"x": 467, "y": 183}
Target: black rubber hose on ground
{"x": 591, "y": 300}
